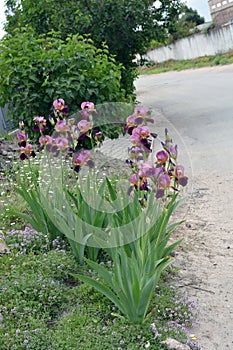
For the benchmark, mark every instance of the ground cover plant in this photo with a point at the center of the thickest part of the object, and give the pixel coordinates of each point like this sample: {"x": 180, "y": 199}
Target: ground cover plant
{"x": 206, "y": 61}
{"x": 79, "y": 221}
{"x": 43, "y": 307}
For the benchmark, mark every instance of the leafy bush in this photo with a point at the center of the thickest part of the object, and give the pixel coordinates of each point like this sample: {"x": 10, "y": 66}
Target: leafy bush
{"x": 36, "y": 70}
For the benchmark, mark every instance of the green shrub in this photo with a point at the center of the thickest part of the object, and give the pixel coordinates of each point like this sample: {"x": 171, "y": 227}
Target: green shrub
{"x": 36, "y": 70}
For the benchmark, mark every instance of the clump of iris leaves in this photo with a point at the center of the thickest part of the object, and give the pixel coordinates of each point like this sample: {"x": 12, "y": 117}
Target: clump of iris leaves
{"x": 42, "y": 306}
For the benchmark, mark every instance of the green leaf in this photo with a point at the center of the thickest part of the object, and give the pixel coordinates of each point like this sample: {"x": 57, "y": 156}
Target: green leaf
{"x": 102, "y": 271}
{"x": 101, "y": 288}
{"x": 112, "y": 192}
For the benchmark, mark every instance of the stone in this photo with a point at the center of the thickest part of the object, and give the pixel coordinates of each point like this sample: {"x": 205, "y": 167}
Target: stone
{"x": 8, "y": 153}
{"x": 173, "y": 344}
{"x": 3, "y": 152}
{"x": 3, "y": 247}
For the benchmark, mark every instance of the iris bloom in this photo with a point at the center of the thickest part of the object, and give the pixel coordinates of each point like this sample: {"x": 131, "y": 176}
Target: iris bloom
{"x": 130, "y": 120}
{"x": 61, "y": 143}
{"x": 140, "y": 136}
{"x": 86, "y": 110}
{"x": 164, "y": 181}
{"x": 27, "y": 152}
{"x": 139, "y": 133}
{"x": 143, "y": 131}
{"x": 146, "y": 169}
{"x": 137, "y": 182}
{"x": 22, "y": 138}
{"x": 83, "y": 158}
{"x": 134, "y": 180}
{"x": 179, "y": 174}
{"x": 60, "y": 109}
{"x": 130, "y": 124}
{"x": 141, "y": 110}
{"x": 59, "y": 104}
{"x": 45, "y": 140}
{"x": 141, "y": 115}
{"x": 84, "y": 126}
{"x": 40, "y": 123}
{"x": 172, "y": 150}
{"x": 61, "y": 126}
{"x": 88, "y": 106}
{"x": 162, "y": 157}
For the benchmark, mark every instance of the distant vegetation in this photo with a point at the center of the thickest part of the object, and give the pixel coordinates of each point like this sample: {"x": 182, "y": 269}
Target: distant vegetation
{"x": 173, "y": 65}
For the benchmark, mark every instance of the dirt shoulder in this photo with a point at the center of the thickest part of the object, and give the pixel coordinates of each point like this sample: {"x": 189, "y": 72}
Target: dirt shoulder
{"x": 206, "y": 260}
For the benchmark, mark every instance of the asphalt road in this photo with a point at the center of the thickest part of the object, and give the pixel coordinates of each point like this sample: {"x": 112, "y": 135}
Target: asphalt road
{"x": 198, "y": 106}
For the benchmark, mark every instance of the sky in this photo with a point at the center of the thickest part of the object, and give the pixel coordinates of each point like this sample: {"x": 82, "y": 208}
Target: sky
{"x": 201, "y": 6}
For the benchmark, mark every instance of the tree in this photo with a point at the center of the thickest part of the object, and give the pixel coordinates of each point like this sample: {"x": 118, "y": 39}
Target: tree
{"x": 126, "y": 26}
{"x": 182, "y": 27}
{"x": 191, "y": 16}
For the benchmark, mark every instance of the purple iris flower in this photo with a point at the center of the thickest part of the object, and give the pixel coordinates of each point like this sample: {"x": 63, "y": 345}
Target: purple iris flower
{"x": 162, "y": 156}
{"x": 86, "y": 105}
{"x": 183, "y": 181}
{"x": 27, "y": 152}
{"x": 61, "y": 126}
{"x": 164, "y": 181}
{"x": 61, "y": 143}
{"x": 58, "y": 104}
{"x": 146, "y": 169}
{"x": 158, "y": 171}
{"x": 141, "y": 110}
{"x": 179, "y": 171}
{"x": 83, "y": 158}
{"x": 172, "y": 150}
{"x": 138, "y": 134}
{"x": 22, "y": 138}
{"x": 45, "y": 140}
{"x": 40, "y": 123}
{"x": 179, "y": 174}
{"x": 84, "y": 125}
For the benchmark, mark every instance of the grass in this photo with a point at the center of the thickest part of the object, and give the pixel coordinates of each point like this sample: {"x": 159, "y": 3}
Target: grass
{"x": 173, "y": 65}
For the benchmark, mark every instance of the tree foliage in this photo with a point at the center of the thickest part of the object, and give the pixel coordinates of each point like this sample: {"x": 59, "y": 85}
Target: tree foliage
{"x": 191, "y": 16}
{"x": 184, "y": 24}
{"x": 126, "y": 26}
{"x": 35, "y": 70}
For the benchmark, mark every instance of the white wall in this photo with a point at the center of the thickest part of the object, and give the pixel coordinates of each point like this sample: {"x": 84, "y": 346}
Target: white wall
{"x": 217, "y": 41}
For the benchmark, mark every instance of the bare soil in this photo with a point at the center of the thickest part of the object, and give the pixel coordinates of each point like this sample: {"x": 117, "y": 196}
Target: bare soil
{"x": 205, "y": 259}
